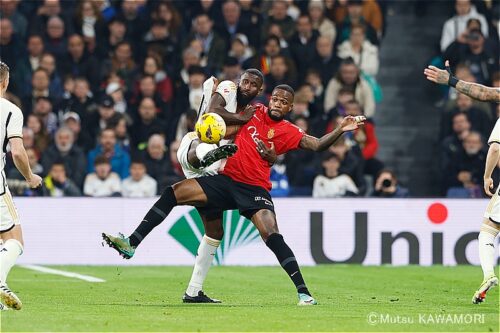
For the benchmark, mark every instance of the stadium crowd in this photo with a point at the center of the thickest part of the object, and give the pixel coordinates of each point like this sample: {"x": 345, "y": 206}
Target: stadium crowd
{"x": 470, "y": 40}
{"x": 109, "y": 87}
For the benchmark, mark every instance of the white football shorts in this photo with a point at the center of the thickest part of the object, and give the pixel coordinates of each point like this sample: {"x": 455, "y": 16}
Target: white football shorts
{"x": 8, "y": 212}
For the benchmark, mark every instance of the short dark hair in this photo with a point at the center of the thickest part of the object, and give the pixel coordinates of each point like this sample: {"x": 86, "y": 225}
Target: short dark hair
{"x": 101, "y": 159}
{"x": 137, "y": 160}
{"x": 285, "y": 87}
{"x": 256, "y": 72}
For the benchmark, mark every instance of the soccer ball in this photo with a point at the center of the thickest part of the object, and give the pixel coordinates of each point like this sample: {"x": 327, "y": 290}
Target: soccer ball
{"x": 210, "y": 128}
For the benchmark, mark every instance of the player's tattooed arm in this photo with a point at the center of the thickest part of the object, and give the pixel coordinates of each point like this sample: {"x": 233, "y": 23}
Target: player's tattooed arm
{"x": 217, "y": 105}
{"x": 478, "y": 91}
{"x": 349, "y": 123}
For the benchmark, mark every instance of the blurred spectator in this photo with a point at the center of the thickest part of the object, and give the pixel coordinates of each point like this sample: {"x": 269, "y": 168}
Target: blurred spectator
{"x": 28, "y": 138}
{"x": 158, "y": 163}
{"x": 453, "y": 143}
{"x": 41, "y": 136}
{"x": 465, "y": 177}
{"x": 147, "y": 89}
{"x": 43, "y": 109}
{"x": 138, "y": 184}
{"x": 102, "y": 182}
{"x": 354, "y": 17}
{"x": 29, "y": 63}
{"x": 313, "y": 79}
{"x": 454, "y": 28}
{"x": 82, "y": 139}
{"x": 189, "y": 96}
{"x": 65, "y": 150}
{"x": 166, "y": 11}
{"x": 98, "y": 121}
{"x": 89, "y": 22}
{"x": 386, "y": 186}
{"x": 370, "y": 11}
{"x": 48, "y": 62}
{"x": 275, "y": 30}
{"x": 158, "y": 40}
{"x": 231, "y": 70}
{"x": 119, "y": 124}
{"x": 153, "y": 66}
{"x": 81, "y": 102}
{"x": 324, "y": 25}
{"x": 55, "y": 41}
{"x": 349, "y": 77}
{"x": 326, "y": 62}
{"x": 9, "y": 42}
{"x": 213, "y": 46}
{"x": 279, "y": 179}
{"x": 279, "y": 74}
{"x": 117, "y": 30}
{"x": 479, "y": 119}
{"x": 302, "y": 45}
{"x": 278, "y": 15}
{"x": 262, "y": 61}
{"x": 56, "y": 184}
{"x": 134, "y": 20}
{"x": 231, "y": 25}
{"x": 190, "y": 57}
{"x": 364, "y": 53}
{"x": 33, "y": 159}
{"x": 8, "y": 9}
{"x": 114, "y": 89}
{"x": 332, "y": 184}
{"x": 146, "y": 125}
{"x": 78, "y": 62}
{"x": 108, "y": 147}
{"x": 240, "y": 49}
{"x": 481, "y": 61}
{"x": 366, "y": 138}
{"x": 49, "y": 9}
{"x": 122, "y": 64}
{"x": 40, "y": 82}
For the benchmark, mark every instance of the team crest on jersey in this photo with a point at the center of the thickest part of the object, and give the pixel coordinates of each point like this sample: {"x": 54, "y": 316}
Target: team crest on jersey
{"x": 270, "y": 134}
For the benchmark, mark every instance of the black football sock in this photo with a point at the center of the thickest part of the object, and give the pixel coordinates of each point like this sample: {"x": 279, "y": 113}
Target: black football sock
{"x": 155, "y": 216}
{"x": 287, "y": 260}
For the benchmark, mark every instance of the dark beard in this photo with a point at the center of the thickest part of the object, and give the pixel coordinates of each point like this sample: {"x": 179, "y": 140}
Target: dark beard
{"x": 242, "y": 100}
{"x": 273, "y": 117}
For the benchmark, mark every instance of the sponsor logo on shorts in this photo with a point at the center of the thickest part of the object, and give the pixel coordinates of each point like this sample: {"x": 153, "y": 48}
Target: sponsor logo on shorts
{"x": 266, "y": 201}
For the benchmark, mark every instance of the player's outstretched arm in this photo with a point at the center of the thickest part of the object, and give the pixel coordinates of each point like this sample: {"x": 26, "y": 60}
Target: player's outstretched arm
{"x": 22, "y": 164}
{"x": 349, "y": 123}
{"x": 474, "y": 90}
{"x": 491, "y": 163}
{"x": 217, "y": 105}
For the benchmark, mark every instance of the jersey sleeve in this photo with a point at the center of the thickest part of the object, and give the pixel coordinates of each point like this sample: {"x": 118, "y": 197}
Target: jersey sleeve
{"x": 227, "y": 89}
{"x": 15, "y": 124}
{"x": 495, "y": 134}
{"x": 291, "y": 141}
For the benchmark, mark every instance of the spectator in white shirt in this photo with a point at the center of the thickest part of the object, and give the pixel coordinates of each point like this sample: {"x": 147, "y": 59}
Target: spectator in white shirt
{"x": 139, "y": 184}
{"x": 455, "y": 27}
{"x": 102, "y": 182}
{"x": 331, "y": 184}
{"x": 364, "y": 53}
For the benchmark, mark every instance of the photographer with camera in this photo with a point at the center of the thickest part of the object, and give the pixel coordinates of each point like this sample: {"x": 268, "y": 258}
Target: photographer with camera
{"x": 387, "y": 186}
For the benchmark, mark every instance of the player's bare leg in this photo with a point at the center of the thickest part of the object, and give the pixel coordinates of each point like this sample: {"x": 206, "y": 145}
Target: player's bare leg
{"x": 265, "y": 221}
{"x": 488, "y": 257}
{"x": 214, "y": 232}
{"x": 11, "y": 250}
{"x": 201, "y": 155}
{"x": 186, "y": 192}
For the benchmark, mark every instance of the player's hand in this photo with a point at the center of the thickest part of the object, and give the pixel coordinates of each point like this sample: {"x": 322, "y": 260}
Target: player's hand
{"x": 216, "y": 83}
{"x": 34, "y": 181}
{"x": 267, "y": 153}
{"x": 488, "y": 186}
{"x": 351, "y": 123}
{"x": 248, "y": 113}
{"x": 437, "y": 75}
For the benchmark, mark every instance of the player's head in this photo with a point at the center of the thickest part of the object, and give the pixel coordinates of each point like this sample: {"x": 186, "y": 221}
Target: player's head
{"x": 4, "y": 77}
{"x": 281, "y": 102}
{"x": 249, "y": 86}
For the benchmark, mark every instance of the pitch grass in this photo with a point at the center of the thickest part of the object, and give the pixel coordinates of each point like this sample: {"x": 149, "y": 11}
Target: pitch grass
{"x": 255, "y": 299}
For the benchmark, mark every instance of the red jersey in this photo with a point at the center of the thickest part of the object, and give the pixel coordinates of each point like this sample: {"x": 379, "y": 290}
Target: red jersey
{"x": 247, "y": 166}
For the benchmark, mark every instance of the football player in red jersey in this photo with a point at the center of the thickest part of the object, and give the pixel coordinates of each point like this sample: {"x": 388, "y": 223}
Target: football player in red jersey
{"x": 244, "y": 183}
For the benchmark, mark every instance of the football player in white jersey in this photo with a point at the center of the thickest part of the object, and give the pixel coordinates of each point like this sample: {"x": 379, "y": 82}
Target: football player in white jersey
{"x": 491, "y": 221}
{"x": 11, "y": 126}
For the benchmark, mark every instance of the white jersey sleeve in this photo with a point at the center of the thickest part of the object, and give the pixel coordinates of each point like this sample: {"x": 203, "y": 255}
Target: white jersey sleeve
{"x": 15, "y": 123}
{"x": 495, "y": 134}
{"x": 227, "y": 89}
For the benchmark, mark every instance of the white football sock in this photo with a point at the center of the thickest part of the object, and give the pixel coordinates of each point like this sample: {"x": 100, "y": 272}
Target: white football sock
{"x": 12, "y": 249}
{"x": 487, "y": 254}
{"x": 206, "y": 253}
{"x": 203, "y": 148}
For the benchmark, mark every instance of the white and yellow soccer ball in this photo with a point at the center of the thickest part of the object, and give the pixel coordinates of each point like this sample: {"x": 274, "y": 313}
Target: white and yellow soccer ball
{"x": 210, "y": 128}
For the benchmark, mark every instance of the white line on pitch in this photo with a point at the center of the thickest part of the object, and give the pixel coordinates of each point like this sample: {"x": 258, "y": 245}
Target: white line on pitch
{"x": 63, "y": 273}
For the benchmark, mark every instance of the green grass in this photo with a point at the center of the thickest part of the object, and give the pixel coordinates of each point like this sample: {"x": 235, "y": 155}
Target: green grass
{"x": 255, "y": 299}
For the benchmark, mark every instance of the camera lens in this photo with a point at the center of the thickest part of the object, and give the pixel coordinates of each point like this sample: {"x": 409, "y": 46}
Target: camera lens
{"x": 386, "y": 183}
